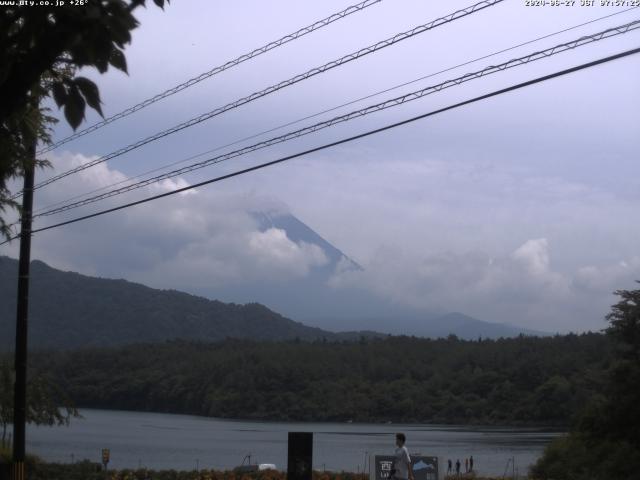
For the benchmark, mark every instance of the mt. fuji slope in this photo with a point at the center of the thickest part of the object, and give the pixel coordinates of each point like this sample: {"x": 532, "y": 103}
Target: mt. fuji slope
{"x": 313, "y": 301}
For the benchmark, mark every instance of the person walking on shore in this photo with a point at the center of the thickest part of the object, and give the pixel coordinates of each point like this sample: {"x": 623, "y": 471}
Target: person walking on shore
{"x": 466, "y": 465}
{"x": 458, "y": 467}
{"x": 402, "y": 469}
{"x": 449, "y": 467}
{"x": 471, "y": 463}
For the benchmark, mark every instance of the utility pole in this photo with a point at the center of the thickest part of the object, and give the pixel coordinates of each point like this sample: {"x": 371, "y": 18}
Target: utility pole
{"x": 20, "y": 386}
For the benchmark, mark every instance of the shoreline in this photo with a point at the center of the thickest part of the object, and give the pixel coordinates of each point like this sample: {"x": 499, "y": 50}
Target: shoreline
{"x": 165, "y": 441}
{"x": 555, "y": 428}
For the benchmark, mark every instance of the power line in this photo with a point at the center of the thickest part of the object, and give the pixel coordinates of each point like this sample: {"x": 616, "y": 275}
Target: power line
{"x": 274, "y": 88}
{"x": 351, "y": 102}
{"x": 214, "y": 71}
{"x": 348, "y": 139}
{"x": 585, "y": 40}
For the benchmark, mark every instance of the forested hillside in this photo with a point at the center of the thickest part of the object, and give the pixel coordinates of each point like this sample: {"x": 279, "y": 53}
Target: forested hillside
{"x": 69, "y": 310}
{"x": 524, "y": 380}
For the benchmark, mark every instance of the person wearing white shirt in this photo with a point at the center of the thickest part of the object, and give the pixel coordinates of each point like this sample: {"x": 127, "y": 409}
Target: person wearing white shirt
{"x": 402, "y": 463}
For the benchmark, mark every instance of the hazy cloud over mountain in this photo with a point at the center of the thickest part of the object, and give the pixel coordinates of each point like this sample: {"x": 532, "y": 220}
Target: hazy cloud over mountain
{"x": 520, "y": 288}
{"x": 196, "y": 237}
{"x": 209, "y": 239}
{"x": 518, "y": 209}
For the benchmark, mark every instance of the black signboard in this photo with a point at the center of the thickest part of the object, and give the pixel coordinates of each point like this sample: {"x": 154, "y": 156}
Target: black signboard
{"x": 384, "y": 464}
{"x": 424, "y": 467}
{"x": 300, "y": 459}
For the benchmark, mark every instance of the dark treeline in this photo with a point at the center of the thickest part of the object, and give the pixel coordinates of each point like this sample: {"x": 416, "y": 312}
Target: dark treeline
{"x": 603, "y": 441}
{"x": 524, "y": 380}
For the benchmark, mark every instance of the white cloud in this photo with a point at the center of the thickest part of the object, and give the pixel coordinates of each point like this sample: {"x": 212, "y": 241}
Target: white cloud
{"x": 520, "y": 288}
{"x": 169, "y": 184}
{"x": 186, "y": 241}
{"x": 272, "y": 249}
{"x": 534, "y": 254}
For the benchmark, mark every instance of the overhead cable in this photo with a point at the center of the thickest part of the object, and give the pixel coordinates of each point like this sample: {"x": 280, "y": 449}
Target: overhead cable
{"x": 585, "y": 40}
{"x": 131, "y": 180}
{"x": 214, "y": 71}
{"x": 345, "y": 140}
{"x": 274, "y": 88}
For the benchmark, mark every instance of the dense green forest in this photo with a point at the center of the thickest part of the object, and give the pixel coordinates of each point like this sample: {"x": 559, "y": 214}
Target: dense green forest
{"x": 526, "y": 380}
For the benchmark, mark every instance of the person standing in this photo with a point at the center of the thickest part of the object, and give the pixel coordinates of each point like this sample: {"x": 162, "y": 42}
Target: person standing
{"x": 458, "y": 467}
{"x": 449, "y": 467}
{"x": 402, "y": 469}
{"x": 471, "y": 463}
{"x": 466, "y": 465}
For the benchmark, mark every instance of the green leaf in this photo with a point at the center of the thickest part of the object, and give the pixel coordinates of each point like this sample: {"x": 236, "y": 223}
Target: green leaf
{"x": 100, "y": 48}
{"x": 74, "y": 107}
{"x": 90, "y": 93}
{"x": 59, "y": 93}
{"x": 101, "y": 64}
{"x": 120, "y": 31}
{"x": 118, "y": 60}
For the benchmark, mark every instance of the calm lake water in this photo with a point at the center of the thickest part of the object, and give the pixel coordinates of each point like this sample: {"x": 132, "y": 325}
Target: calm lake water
{"x": 182, "y": 442}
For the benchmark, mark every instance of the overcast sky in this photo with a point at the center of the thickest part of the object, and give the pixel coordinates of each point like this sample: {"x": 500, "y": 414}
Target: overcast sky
{"x": 520, "y": 209}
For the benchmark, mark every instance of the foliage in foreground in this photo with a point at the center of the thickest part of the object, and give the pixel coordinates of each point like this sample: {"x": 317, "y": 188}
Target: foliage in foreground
{"x": 578, "y": 457}
{"x": 93, "y": 471}
{"x": 85, "y": 470}
{"x": 46, "y": 403}
{"x": 604, "y": 443}
{"x": 41, "y": 48}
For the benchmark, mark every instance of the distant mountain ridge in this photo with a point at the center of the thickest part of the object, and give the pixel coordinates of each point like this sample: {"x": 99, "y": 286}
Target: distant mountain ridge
{"x": 408, "y": 322}
{"x": 471, "y": 328}
{"x": 70, "y": 310}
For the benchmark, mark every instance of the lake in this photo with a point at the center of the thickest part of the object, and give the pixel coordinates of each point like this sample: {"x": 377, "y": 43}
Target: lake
{"x": 184, "y": 442}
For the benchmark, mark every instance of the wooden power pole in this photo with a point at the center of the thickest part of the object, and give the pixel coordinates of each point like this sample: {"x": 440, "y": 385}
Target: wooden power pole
{"x": 20, "y": 386}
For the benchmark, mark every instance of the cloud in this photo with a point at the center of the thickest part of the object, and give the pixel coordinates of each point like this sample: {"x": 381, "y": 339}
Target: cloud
{"x": 203, "y": 239}
{"x": 517, "y": 209}
{"x": 495, "y": 243}
{"x": 169, "y": 184}
{"x": 520, "y": 288}
{"x": 534, "y": 255}
{"x": 273, "y": 250}
{"x": 593, "y": 280}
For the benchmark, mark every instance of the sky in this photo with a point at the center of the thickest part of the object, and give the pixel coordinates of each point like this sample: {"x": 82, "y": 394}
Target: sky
{"x": 520, "y": 209}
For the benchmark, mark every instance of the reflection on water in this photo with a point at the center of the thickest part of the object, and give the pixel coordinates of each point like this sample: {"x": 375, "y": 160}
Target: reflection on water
{"x": 182, "y": 442}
